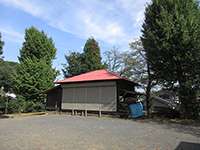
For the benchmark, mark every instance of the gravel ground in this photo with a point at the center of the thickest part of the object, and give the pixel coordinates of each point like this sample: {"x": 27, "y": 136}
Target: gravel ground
{"x": 64, "y": 132}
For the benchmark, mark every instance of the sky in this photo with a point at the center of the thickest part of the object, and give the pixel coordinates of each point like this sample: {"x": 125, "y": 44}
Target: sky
{"x": 70, "y": 23}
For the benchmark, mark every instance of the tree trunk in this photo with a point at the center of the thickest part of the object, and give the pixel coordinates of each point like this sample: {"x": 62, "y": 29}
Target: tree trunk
{"x": 148, "y": 95}
{"x": 148, "y": 92}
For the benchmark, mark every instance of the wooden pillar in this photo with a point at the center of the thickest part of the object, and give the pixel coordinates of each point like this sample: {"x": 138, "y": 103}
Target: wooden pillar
{"x": 82, "y": 113}
{"x": 86, "y": 113}
{"x": 99, "y": 110}
{"x": 75, "y": 113}
{"x": 100, "y": 113}
{"x": 72, "y": 112}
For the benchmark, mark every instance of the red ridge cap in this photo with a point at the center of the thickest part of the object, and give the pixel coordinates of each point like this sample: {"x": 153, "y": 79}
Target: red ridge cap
{"x": 97, "y": 75}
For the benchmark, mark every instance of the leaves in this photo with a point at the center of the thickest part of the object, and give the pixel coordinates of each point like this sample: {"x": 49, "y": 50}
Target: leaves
{"x": 89, "y": 60}
{"x": 171, "y": 39}
{"x": 33, "y": 78}
{"x": 35, "y": 73}
{"x": 37, "y": 45}
{"x": 91, "y": 56}
{"x": 7, "y": 69}
{"x": 1, "y": 47}
{"x": 74, "y": 64}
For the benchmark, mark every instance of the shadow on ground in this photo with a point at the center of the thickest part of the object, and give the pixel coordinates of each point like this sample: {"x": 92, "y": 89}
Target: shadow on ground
{"x": 188, "y": 146}
{"x": 2, "y": 116}
{"x": 192, "y": 128}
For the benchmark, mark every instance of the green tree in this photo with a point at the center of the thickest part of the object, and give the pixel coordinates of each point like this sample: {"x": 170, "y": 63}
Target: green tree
{"x": 171, "y": 39}
{"x": 35, "y": 72}
{"x": 1, "y": 47}
{"x": 74, "y": 64}
{"x": 89, "y": 60}
{"x": 7, "y": 69}
{"x": 37, "y": 45}
{"x": 91, "y": 56}
{"x": 33, "y": 77}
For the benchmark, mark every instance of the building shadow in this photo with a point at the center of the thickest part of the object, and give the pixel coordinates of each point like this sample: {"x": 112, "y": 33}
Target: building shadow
{"x": 188, "y": 146}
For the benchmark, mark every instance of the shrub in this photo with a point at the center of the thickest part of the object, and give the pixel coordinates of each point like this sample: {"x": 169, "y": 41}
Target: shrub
{"x": 20, "y": 105}
{"x": 16, "y": 105}
{"x": 28, "y": 106}
{"x": 39, "y": 107}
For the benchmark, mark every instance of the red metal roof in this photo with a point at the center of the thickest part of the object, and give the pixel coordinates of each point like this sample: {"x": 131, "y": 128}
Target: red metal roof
{"x": 97, "y": 75}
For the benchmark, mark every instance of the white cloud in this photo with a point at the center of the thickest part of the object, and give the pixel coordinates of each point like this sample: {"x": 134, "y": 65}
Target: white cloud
{"x": 110, "y": 21}
{"x": 11, "y": 34}
{"x": 135, "y": 8}
{"x": 108, "y": 31}
{"x": 25, "y": 5}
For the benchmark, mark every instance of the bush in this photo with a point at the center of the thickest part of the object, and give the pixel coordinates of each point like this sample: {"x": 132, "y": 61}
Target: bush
{"x": 28, "y": 106}
{"x": 20, "y": 105}
{"x": 16, "y": 105}
{"x": 39, "y": 107}
{"x": 33, "y": 107}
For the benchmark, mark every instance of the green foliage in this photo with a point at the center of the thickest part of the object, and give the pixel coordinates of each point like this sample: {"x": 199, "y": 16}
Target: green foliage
{"x": 20, "y": 105}
{"x": 171, "y": 39}
{"x": 7, "y": 69}
{"x": 16, "y": 105}
{"x": 37, "y": 45}
{"x": 33, "y": 78}
{"x": 89, "y": 60}
{"x": 1, "y": 47}
{"x": 92, "y": 57}
{"x": 30, "y": 106}
{"x": 74, "y": 67}
{"x": 35, "y": 74}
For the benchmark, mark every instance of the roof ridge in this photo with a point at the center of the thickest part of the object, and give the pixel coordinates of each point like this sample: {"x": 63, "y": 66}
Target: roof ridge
{"x": 81, "y": 74}
{"x": 85, "y": 73}
{"x": 98, "y": 75}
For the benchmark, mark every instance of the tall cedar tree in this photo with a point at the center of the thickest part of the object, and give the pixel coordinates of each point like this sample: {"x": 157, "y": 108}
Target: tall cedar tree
{"x": 91, "y": 56}
{"x": 35, "y": 73}
{"x": 74, "y": 64}
{"x": 171, "y": 39}
{"x": 89, "y": 60}
{"x": 37, "y": 45}
{"x": 1, "y": 47}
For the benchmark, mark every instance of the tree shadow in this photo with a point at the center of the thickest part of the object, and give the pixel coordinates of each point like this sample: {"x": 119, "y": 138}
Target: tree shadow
{"x": 188, "y": 146}
{"x": 3, "y": 116}
{"x": 187, "y": 128}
